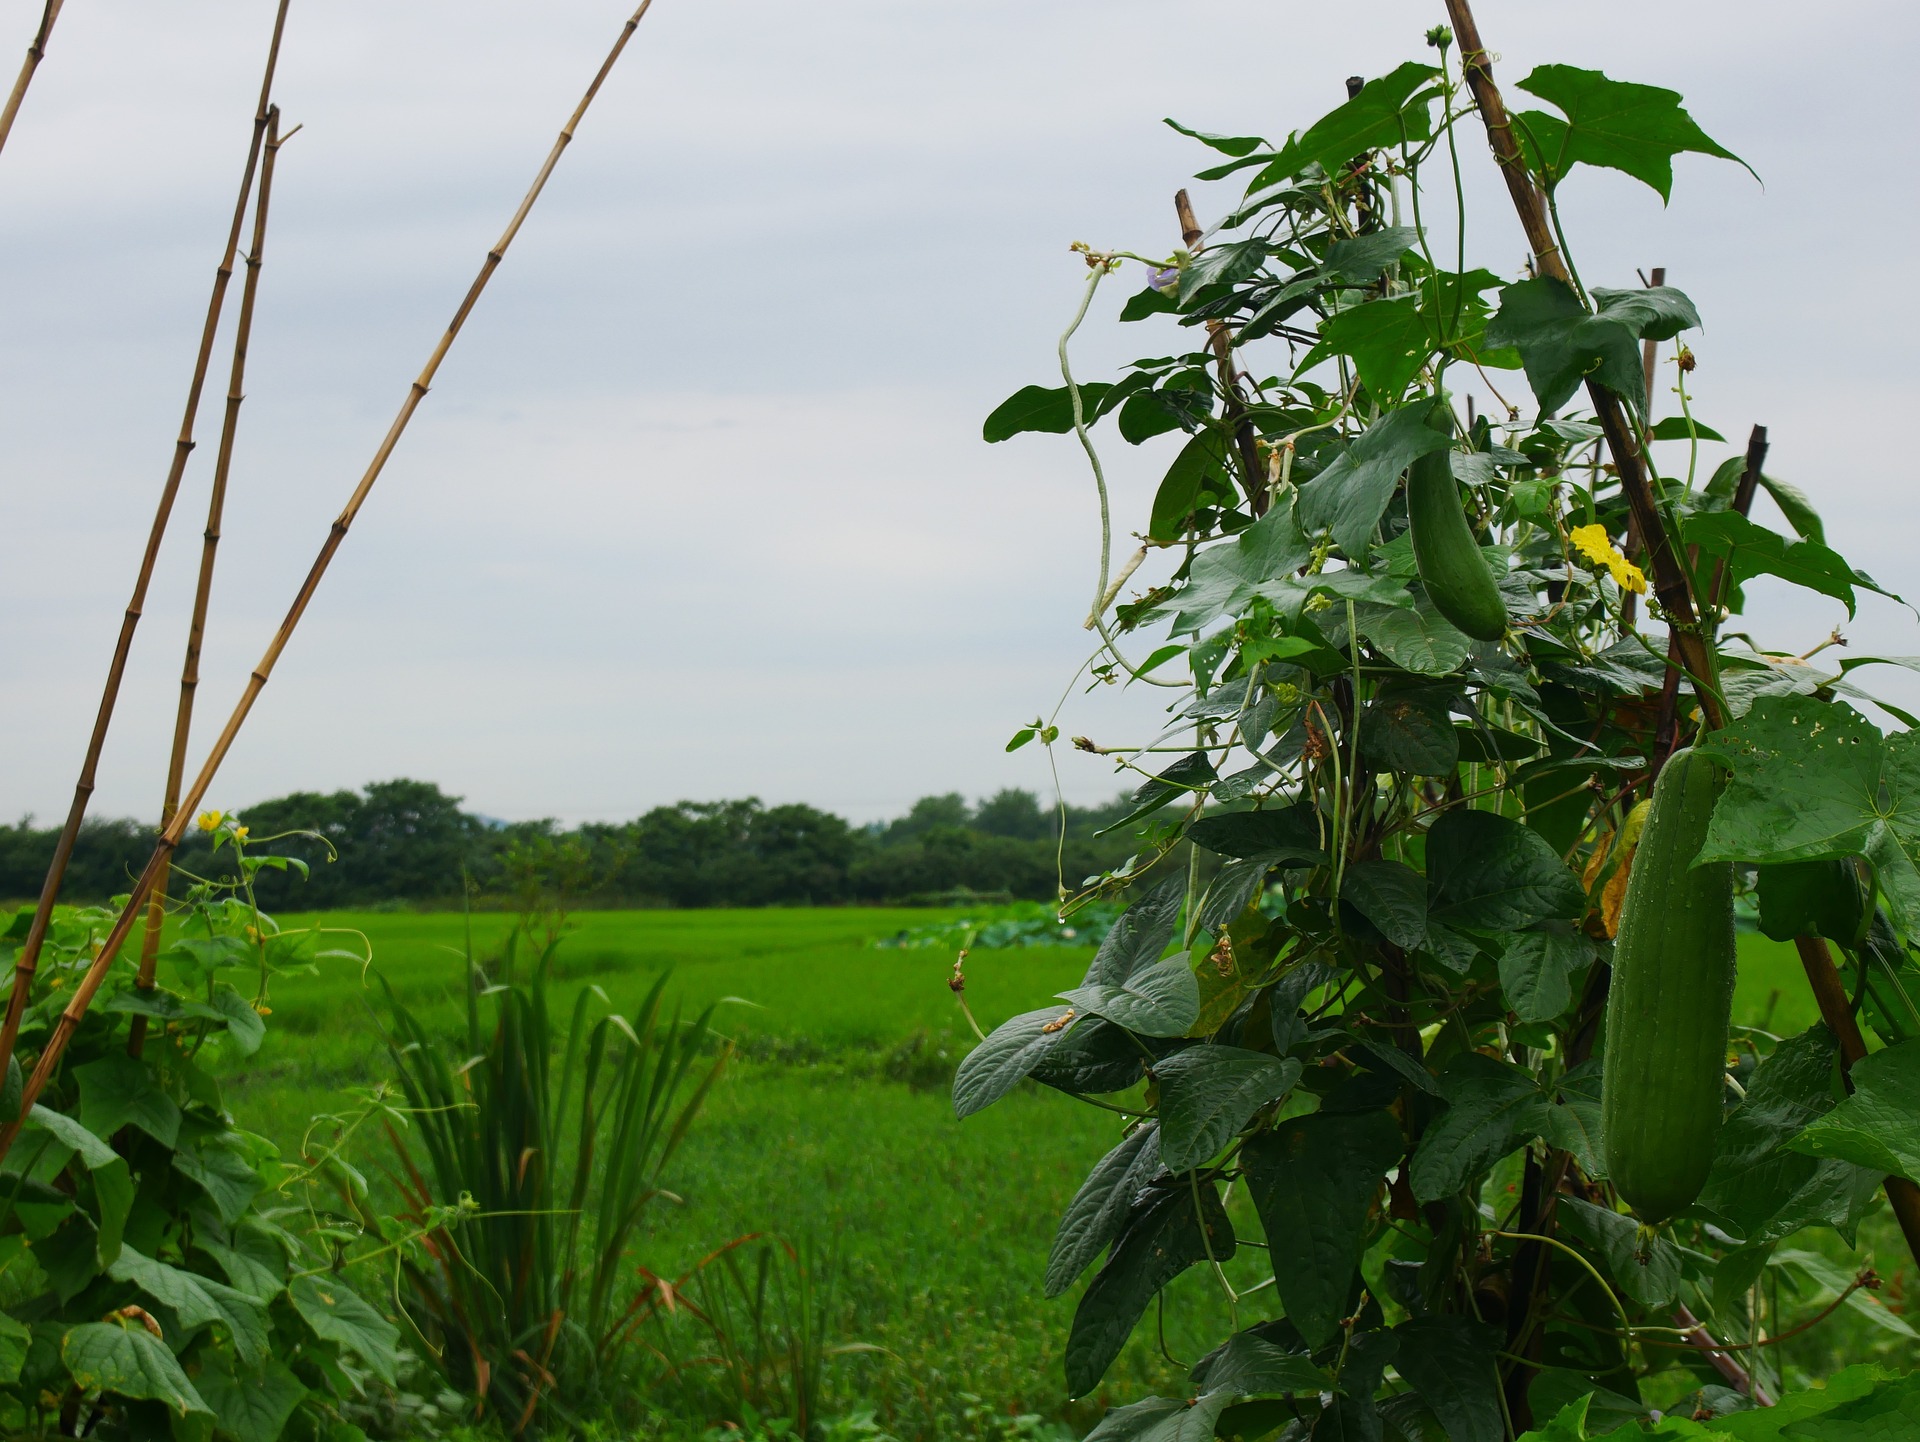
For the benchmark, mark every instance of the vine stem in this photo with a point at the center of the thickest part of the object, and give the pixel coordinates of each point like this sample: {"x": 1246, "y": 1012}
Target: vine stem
{"x": 29, "y": 957}
{"x": 1099, "y": 266}
{"x": 203, "y": 587}
{"x": 89, "y": 985}
{"x": 36, "y": 52}
{"x": 1669, "y": 580}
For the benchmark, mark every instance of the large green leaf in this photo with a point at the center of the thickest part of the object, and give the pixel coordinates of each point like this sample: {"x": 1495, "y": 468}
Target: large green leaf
{"x": 1140, "y": 935}
{"x": 1001, "y": 1062}
{"x": 1313, "y": 1179}
{"x": 1278, "y": 836}
{"x": 1450, "y": 1361}
{"x": 1813, "y": 780}
{"x": 94, "y": 1153}
{"x": 1041, "y": 408}
{"x": 1161, "y": 1419}
{"x": 1561, "y": 344}
{"x": 1392, "y": 896}
{"x": 1411, "y": 735}
{"x": 1386, "y": 339}
{"x": 1753, "y": 550}
{"x": 1489, "y": 872}
{"x": 249, "y": 1406}
{"x": 1417, "y": 638}
{"x": 1198, "y": 477}
{"x": 1225, "y": 577}
{"x": 1613, "y": 123}
{"x": 1491, "y": 1109}
{"x": 1163, "y": 1238}
{"x": 226, "y": 1177}
{"x": 1878, "y": 1127}
{"x": 337, "y": 1314}
{"x": 15, "y": 1338}
{"x": 123, "y": 1358}
{"x": 1386, "y": 110}
{"x": 1253, "y": 1364}
{"x": 1362, "y": 259}
{"x": 198, "y": 1301}
{"x": 1351, "y": 494}
{"x": 1099, "y": 1209}
{"x": 1208, "y": 1093}
{"x": 1158, "y": 1000}
{"x": 1647, "y": 1269}
{"x": 119, "y": 1090}
{"x": 1537, "y": 967}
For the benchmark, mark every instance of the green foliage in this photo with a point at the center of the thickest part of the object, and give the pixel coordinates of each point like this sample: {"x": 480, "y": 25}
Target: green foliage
{"x": 1366, "y": 969}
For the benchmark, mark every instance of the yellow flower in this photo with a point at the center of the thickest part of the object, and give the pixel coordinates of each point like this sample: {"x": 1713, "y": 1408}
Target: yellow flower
{"x": 1593, "y": 543}
{"x": 240, "y": 831}
{"x": 1626, "y": 575}
{"x": 209, "y": 820}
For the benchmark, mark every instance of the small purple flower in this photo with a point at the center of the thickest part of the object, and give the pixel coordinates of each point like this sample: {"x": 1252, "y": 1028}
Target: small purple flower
{"x": 1166, "y": 280}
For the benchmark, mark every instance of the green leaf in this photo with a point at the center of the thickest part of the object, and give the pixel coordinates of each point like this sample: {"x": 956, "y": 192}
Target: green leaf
{"x": 118, "y": 1091}
{"x": 1362, "y": 259}
{"x": 1234, "y": 145}
{"x": 113, "y": 1194}
{"x": 1656, "y": 312}
{"x": 1163, "y": 1238}
{"x": 1633, "y": 128}
{"x": 1417, "y": 638}
{"x": 1491, "y": 1109}
{"x": 1386, "y": 110}
{"x": 1795, "y": 506}
{"x": 1756, "y": 551}
{"x": 338, "y": 1315}
{"x": 1001, "y": 1062}
{"x": 1041, "y": 408}
{"x": 1488, "y": 872}
{"x": 1813, "y": 781}
{"x": 224, "y": 1175}
{"x": 1197, "y": 477}
{"x": 15, "y": 1338}
{"x": 1158, "y": 1000}
{"x": 198, "y": 1301}
{"x": 1161, "y": 1419}
{"x": 1648, "y": 1272}
{"x": 1450, "y": 1361}
{"x": 1351, "y": 494}
{"x": 1536, "y": 970}
{"x": 1561, "y": 344}
{"x": 1409, "y": 735}
{"x": 249, "y": 1406}
{"x": 1313, "y": 1180}
{"x": 1099, "y": 1209}
{"x": 1572, "y": 1122}
{"x": 126, "y": 1360}
{"x": 1142, "y": 932}
{"x": 1387, "y": 340}
{"x": 1208, "y": 1093}
{"x": 1281, "y": 836}
{"x": 1392, "y": 896}
{"x": 1224, "y": 578}
{"x": 68, "y": 1132}
{"x": 1878, "y": 1127}
{"x": 1811, "y": 898}
{"x": 1251, "y": 1364}
{"x": 1183, "y": 778}
{"x": 245, "y": 1026}
{"x": 1678, "y": 428}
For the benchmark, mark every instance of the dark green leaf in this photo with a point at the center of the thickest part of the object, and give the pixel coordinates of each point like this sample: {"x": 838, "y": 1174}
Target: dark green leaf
{"x": 1234, "y": 145}
{"x": 1491, "y": 1109}
{"x": 1001, "y": 1062}
{"x": 1159, "y": 1000}
{"x": 1254, "y": 1365}
{"x": 113, "y": 1195}
{"x": 1208, "y": 1093}
{"x": 1572, "y": 1123}
{"x": 1362, "y": 259}
{"x": 1417, "y": 638}
{"x": 1351, "y": 494}
{"x": 1813, "y": 781}
{"x": 1756, "y": 551}
{"x": 1537, "y": 967}
{"x": 1225, "y": 577}
{"x": 1387, "y": 340}
{"x": 338, "y": 1315}
{"x": 1312, "y": 1180}
{"x": 1278, "y": 837}
{"x": 1678, "y": 428}
{"x": 1489, "y": 872}
{"x": 244, "y": 1025}
{"x": 1227, "y": 264}
{"x": 198, "y": 1301}
{"x": 1795, "y": 506}
{"x": 1161, "y": 1419}
{"x": 123, "y": 1358}
{"x": 1099, "y": 1209}
{"x": 1634, "y": 128}
{"x": 1040, "y": 408}
{"x": 224, "y": 1175}
{"x": 1236, "y": 884}
{"x": 1142, "y": 932}
{"x": 94, "y": 1153}
{"x": 1561, "y": 344}
{"x": 1197, "y": 477}
{"x": 1163, "y": 1238}
{"x": 1657, "y": 312}
{"x": 1382, "y": 114}
{"x": 1285, "y": 999}
{"x": 119, "y": 1090}
{"x": 1878, "y": 1127}
{"x": 1392, "y": 896}
{"x": 15, "y": 1337}
{"x": 1811, "y": 898}
{"x": 1647, "y": 1271}
{"x": 249, "y": 1406}
{"x": 1409, "y": 735}
{"x": 1450, "y": 1361}
{"x": 1183, "y": 778}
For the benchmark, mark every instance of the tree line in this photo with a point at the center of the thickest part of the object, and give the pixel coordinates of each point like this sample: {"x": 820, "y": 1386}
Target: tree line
{"x": 407, "y": 842}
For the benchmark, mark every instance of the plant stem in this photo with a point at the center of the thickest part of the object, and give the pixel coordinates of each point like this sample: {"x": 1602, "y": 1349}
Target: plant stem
{"x": 89, "y": 985}
{"x": 36, "y": 52}
{"x": 29, "y": 957}
{"x": 203, "y": 588}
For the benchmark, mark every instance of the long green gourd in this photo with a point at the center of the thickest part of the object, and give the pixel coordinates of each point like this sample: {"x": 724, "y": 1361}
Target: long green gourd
{"x": 1451, "y": 567}
{"x": 1668, "y": 1006}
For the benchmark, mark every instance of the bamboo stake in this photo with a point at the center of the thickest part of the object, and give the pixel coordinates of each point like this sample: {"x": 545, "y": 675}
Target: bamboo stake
{"x": 36, "y": 52}
{"x": 1649, "y": 351}
{"x": 29, "y": 957}
{"x": 1903, "y": 1197}
{"x": 210, "y": 545}
{"x": 83, "y": 994}
{"x": 1669, "y": 581}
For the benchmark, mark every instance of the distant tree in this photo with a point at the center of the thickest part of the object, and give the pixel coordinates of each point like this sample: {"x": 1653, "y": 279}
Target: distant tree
{"x": 927, "y": 813}
{"x": 1016, "y": 814}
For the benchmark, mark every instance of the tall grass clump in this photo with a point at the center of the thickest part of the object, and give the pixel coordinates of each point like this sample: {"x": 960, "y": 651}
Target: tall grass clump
{"x": 535, "y": 1152}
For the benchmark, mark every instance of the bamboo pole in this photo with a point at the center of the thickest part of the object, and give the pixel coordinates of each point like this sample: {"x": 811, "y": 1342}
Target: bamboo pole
{"x": 29, "y": 957}
{"x": 210, "y": 545}
{"x": 89, "y": 985}
{"x": 1669, "y": 580}
{"x": 1903, "y": 1197}
{"x": 36, "y": 52}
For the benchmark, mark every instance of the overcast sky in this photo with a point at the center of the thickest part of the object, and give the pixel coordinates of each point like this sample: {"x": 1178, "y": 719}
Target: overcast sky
{"x": 699, "y": 507}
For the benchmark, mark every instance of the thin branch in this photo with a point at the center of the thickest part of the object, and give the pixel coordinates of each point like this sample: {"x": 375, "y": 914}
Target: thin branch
{"x": 36, "y": 52}
{"x": 29, "y": 957}
{"x": 210, "y": 545}
{"x": 89, "y": 985}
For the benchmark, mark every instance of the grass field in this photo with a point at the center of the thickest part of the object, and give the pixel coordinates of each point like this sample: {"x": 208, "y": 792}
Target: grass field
{"x": 834, "y": 1126}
